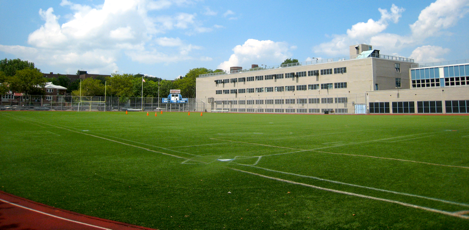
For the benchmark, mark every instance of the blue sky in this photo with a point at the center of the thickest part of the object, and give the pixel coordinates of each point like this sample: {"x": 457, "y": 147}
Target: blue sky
{"x": 167, "y": 38}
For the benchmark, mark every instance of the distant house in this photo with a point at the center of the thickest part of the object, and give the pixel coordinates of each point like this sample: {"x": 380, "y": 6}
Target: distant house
{"x": 81, "y": 74}
{"x": 52, "y": 93}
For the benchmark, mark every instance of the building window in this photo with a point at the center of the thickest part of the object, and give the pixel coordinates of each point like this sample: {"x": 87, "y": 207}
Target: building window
{"x": 234, "y": 91}
{"x": 301, "y": 101}
{"x": 340, "y": 100}
{"x": 279, "y": 88}
{"x": 289, "y": 75}
{"x": 376, "y": 86}
{"x": 326, "y": 71}
{"x": 259, "y": 102}
{"x": 289, "y": 110}
{"x": 302, "y": 110}
{"x": 269, "y": 89}
{"x": 234, "y": 80}
{"x": 340, "y": 70}
{"x": 403, "y": 107}
{"x": 269, "y": 77}
{"x": 218, "y": 81}
{"x": 250, "y": 78}
{"x": 250, "y": 102}
{"x": 269, "y": 101}
{"x": 340, "y": 85}
{"x": 398, "y": 82}
{"x": 234, "y": 102}
{"x": 397, "y": 66}
{"x": 327, "y": 100}
{"x": 250, "y": 90}
{"x": 218, "y": 92}
{"x": 226, "y": 91}
{"x": 326, "y": 86}
{"x": 429, "y": 107}
{"x": 301, "y": 74}
{"x": 279, "y": 101}
{"x": 290, "y": 88}
{"x": 279, "y": 110}
{"x": 300, "y": 87}
{"x": 314, "y": 111}
{"x": 226, "y": 81}
{"x": 341, "y": 111}
{"x": 313, "y": 87}
{"x": 242, "y": 79}
{"x": 50, "y": 90}
{"x": 259, "y": 90}
{"x": 242, "y": 102}
{"x": 241, "y": 90}
{"x": 48, "y": 98}
{"x": 313, "y": 100}
{"x": 279, "y": 76}
{"x": 313, "y": 73}
{"x": 259, "y": 78}
{"x": 457, "y": 106}
{"x": 379, "y": 107}
{"x": 289, "y": 101}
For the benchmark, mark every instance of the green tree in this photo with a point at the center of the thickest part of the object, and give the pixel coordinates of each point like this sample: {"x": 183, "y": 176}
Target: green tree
{"x": 61, "y": 80}
{"x": 165, "y": 86}
{"x": 187, "y": 83}
{"x": 120, "y": 85}
{"x": 73, "y": 86}
{"x": 28, "y": 81}
{"x": 3, "y": 83}
{"x": 10, "y": 66}
{"x": 290, "y": 61}
{"x": 90, "y": 87}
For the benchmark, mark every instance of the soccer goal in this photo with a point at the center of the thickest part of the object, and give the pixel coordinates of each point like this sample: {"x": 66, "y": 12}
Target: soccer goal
{"x": 89, "y": 104}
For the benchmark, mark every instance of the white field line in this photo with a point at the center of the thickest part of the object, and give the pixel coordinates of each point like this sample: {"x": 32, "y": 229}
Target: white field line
{"x": 396, "y": 159}
{"x": 53, "y": 133}
{"x": 190, "y": 146}
{"x": 410, "y": 139}
{"x": 361, "y": 186}
{"x": 312, "y": 135}
{"x": 259, "y": 159}
{"x": 111, "y": 140}
{"x": 358, "y": 195}
{"x": 347, "y": 154}
{"x": 54, "y": 216}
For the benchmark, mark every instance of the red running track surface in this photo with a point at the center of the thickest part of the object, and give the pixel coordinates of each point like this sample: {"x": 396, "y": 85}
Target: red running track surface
{"x": 20, "y": 213}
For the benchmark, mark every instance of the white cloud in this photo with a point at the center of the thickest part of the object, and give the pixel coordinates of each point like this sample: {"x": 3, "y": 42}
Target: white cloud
{"x": 253, "y": 51}
{"x": 210, "y": 12}
{"x": 361, "y": 32}
{"x": 429, "y": 54}
{"x": 168, "y": 41}
{"x": 440, "y": 15}
{"x": 432, "y": 21}
{"x": 227, "y": 13}
{"x": 95, "y": 37}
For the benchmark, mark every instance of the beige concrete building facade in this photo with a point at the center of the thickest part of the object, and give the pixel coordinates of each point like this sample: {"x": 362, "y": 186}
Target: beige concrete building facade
{"x": 354, "y": 86}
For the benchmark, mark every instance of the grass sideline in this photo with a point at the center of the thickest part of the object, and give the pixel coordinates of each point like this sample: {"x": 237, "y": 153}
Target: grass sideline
{"x": 281, "y": 171}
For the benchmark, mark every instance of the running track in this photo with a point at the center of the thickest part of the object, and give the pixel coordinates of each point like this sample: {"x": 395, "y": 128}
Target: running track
{"x": 20, "y": 213}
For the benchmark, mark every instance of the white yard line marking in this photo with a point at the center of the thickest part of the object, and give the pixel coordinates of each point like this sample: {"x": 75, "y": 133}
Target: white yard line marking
{"x": 360, "y": 186}
{"x": 111, "y": 140}
{"x": 357, "y": 195}
{"x": 53, "y": 133}
{"x": 190, "y": 146}
{"x": 396, "y": 159}
{"x": 58, "y": 217}
{"x": 410, "y": 139}
{"x": 243, "y": 142}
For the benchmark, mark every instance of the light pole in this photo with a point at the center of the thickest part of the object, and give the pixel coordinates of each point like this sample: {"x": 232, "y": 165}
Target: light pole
{"x": 143, "y": 80}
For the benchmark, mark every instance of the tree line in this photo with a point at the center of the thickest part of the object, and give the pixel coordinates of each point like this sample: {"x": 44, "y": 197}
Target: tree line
{"x": 22, "y": 76}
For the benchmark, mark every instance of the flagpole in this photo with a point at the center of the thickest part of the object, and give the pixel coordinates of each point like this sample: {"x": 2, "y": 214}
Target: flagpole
{"x": 142, "y": 92}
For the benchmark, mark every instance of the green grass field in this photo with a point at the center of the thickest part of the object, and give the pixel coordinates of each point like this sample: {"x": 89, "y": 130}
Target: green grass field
{"x": 242, "y": 171}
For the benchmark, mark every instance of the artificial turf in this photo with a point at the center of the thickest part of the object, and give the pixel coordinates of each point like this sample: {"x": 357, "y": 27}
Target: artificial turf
{"x": 165, "y": 171}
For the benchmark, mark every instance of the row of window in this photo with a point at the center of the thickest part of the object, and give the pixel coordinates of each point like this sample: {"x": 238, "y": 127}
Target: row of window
{"x": 281, "y": 76}
{"x": 430, "y": 83}
{"x": 271, "y": 110}
{"x": 337, "y": 85}
{"x": 457, "y": 106}
{"x": 448, "y": 71}
{"x": 328, "y": 100}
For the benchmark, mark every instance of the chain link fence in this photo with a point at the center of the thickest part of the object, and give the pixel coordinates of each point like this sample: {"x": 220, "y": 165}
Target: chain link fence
{"x": 340, "y": 104}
